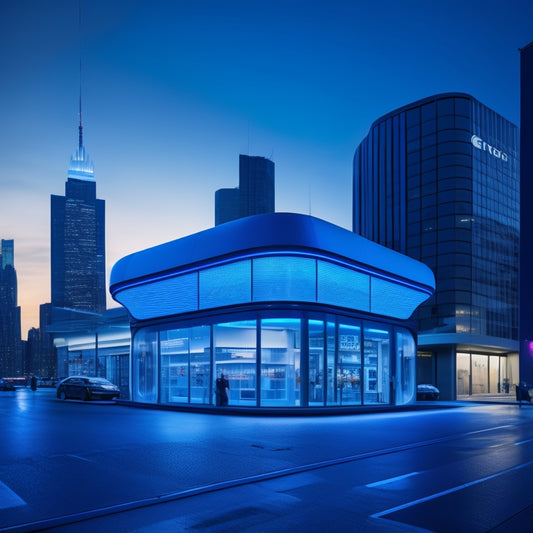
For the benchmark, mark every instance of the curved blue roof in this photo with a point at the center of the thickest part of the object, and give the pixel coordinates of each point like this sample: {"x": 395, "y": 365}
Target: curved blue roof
{"x": 264, "y": 233}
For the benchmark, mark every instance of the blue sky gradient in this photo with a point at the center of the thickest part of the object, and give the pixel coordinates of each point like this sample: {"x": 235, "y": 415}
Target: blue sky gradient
{"x": 173, "y": 91}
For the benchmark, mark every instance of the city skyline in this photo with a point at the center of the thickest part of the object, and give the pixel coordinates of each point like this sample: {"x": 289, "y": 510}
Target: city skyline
{"x": 173, "y": 92}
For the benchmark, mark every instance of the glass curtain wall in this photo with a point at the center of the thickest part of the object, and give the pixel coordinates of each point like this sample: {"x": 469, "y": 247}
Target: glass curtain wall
{"x": 347, "y": 363}
{"x": 483, "y": 374}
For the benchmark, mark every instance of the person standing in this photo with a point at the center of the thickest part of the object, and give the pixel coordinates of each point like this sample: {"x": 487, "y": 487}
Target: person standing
{"x": 222, "y": 390}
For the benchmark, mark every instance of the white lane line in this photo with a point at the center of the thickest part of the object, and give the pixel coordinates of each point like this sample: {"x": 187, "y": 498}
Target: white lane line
{"x": 391, "y": 480}
{"x": 449, "y": 491}
{"x": 523, "y": 442}
{"x": 78, "y": 457}
{"x": 8, "y": 498}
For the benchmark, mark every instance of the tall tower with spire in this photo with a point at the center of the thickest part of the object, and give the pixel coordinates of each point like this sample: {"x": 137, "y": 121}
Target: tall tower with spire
{"x": 78, "y": 237}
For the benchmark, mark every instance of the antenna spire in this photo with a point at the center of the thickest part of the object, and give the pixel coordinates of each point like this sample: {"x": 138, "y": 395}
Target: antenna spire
{"x": 80, "y": 127}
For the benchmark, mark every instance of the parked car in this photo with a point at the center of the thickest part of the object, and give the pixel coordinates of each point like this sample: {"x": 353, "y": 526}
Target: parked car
{"x": 427, "y": 392}
{"x": 6, "y": 385}
{"x": 87, "y": 388}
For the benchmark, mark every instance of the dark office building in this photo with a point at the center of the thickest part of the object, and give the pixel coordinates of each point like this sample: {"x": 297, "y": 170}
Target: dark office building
{"x": 10, "y": 338}
{"x": 227, "y": 206}
{"x": 255, "y": 194}
{"x": 438, "y": 180}
{"x": 526, "y": 217}
{"x": 78, "y": 240}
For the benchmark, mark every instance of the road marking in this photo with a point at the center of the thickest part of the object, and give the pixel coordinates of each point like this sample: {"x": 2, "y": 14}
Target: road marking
{"x": 391, "y": 480}
{"x": 237, "y": 482}
{"x": 448, "y": 491}
{"x": 8, "y": 498}
{"x": 523, "y": 442}
{"x": 78, "y": 457}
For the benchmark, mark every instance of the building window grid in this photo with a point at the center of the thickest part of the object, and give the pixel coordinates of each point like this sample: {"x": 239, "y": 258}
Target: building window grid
{"x": 154, "y": 386}
{"x": 417, "y": 150}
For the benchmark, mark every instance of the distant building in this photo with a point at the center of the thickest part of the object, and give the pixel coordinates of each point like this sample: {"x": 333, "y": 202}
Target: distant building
{"x": 78, "y": 239}
{"x": 47, "y": 351}
{"x": 438, "y": 180}
{"x": 255, "y": 194}
{"x": 11, "y": 364}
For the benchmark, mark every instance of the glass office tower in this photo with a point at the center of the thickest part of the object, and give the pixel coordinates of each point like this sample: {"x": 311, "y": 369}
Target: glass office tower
{"x": 255, "y": 194}
{"x": 78, "y": 240}
{"x": 438, "y": 180}
{"x": 526, "y": 219}
{"x": 10, "y": 338}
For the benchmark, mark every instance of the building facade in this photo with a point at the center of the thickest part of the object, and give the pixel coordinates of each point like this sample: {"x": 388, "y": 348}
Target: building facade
{"x": 11, "y": 360}
{"x": 526, "y": 214}
{"x": 438, "y": 180}
{"x": 78, "y": 240}
{"x": 255, "y": 194}
{"x": 294, "y": 311}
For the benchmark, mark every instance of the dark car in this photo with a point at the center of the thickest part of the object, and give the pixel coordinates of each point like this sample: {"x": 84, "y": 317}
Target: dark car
{"x": 6, "y": 385}
{"x": 427, "y": 392}
{"x": 87, "y": 388}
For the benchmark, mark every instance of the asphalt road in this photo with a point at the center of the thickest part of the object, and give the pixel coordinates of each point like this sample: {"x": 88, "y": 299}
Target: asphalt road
{"x": 81, "y": 466}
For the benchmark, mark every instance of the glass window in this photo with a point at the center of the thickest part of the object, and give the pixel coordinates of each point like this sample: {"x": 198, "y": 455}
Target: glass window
{"x": 280, "y": 362}
{"x": 463, "y": 374}
{"x": 405, "y": 367}
{"x": 480, "y": 374}
{"x": 316, "y": 362}
{"x": 429, "y": 111}
{"x": 413, "y": 117}
{"x": 446, "y": 123}
{"x": 200, "y": 363}
{"x": 145, "y": 366}
{"x": 349, "y": 365}
{"x": 376, "y": 377}
{"x": 462, "y": 107}
{"x": 331, "y": 386}
{"x": 429, "y": 127}
{"x": 174, "y": 374}
{"x": 445, "y": 107}
{"x": 495, "y": 385}
{"x": 235, "y": 348}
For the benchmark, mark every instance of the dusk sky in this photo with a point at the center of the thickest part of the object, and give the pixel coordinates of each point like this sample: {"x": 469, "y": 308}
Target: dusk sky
{"x": 173, "y": 91}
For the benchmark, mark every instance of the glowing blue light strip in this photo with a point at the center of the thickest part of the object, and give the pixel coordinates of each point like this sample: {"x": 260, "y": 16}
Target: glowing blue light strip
{"x": 358, "y": 268}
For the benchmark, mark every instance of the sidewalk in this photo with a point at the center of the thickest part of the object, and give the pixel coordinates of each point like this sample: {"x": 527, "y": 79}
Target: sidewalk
{"x": 489, "y": 398}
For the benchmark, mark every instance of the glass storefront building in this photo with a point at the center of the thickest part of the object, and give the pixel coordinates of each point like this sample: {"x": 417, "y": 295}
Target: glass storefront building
{"x": 296, "y": 312}
{"x": 438, "y": 180}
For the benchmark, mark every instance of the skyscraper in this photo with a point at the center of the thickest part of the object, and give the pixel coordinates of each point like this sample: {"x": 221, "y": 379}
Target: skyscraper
{"x": 526, "y": 213}
{"x": 10, "y": 338}
{"x": 255, "y": 194}
{"x": 78, "y": 239}
{"x": 438, "y": 179}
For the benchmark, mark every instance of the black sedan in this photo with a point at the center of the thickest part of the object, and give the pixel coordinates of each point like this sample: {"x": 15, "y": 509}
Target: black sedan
{"x": 427, "y": 392}
{"x": 87, "y": 388}
{"x": 6, "y": 385}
